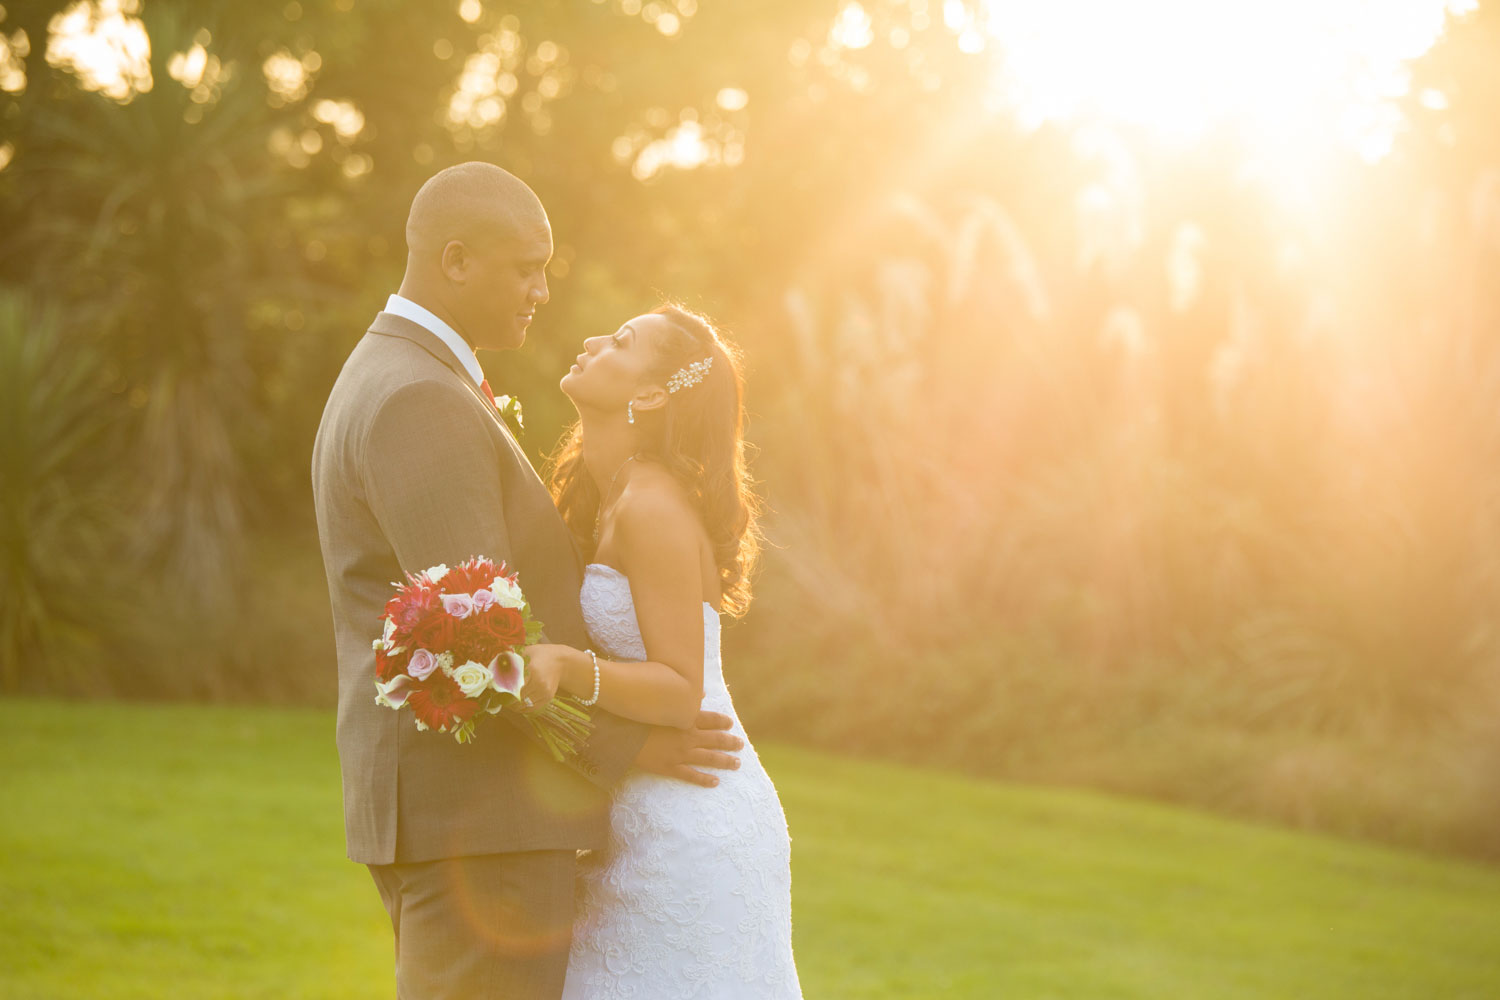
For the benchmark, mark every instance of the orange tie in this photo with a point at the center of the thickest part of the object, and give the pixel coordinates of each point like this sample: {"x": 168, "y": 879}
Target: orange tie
{"x": 484, "y": 387}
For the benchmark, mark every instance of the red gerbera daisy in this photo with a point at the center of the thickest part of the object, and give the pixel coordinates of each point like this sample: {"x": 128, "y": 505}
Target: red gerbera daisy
{"x": 440, "y": 704}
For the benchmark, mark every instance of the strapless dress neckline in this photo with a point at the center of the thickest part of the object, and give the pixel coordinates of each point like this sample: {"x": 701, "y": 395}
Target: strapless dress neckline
{"x": 622, "y": 576}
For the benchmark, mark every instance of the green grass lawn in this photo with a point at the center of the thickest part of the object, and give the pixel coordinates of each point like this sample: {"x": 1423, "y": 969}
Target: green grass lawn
{"x": 152, "y": 852}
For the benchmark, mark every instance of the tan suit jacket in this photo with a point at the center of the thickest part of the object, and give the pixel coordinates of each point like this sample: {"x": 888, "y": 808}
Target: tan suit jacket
{"x": 413, "y": 467}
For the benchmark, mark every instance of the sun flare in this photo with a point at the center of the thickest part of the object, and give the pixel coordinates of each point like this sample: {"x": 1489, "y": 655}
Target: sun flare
{"x": 1284, "y": 70}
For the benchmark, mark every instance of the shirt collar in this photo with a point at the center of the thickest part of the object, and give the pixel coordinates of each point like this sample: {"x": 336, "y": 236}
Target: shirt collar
{"x": 407, "y": 309}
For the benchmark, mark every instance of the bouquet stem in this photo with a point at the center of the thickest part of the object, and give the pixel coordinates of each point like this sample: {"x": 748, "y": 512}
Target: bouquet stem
{"x": 562, "y": 726}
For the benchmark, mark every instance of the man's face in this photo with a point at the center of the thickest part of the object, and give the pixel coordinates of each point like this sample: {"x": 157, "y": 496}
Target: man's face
{"x": 507, "y": 283}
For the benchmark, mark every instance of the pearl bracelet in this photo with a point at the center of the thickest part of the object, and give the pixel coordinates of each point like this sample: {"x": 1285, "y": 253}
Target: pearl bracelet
{"x": 589, "y": 701}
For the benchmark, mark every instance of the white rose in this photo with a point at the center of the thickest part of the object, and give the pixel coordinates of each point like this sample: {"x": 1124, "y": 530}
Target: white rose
{"x": 507, "y": 593}
{"x": 436, "y": 573}
{"x": 472, "y": 678}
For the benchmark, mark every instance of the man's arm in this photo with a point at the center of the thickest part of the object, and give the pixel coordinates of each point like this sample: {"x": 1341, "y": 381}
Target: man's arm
{"x": 678, "y": 753}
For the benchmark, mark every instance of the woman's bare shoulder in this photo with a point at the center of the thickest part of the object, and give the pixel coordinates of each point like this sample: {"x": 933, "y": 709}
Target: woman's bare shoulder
{"x": 654, "y": 499}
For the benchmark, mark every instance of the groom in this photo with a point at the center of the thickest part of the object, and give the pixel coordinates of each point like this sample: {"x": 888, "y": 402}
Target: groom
{"x": 472, "y": 847}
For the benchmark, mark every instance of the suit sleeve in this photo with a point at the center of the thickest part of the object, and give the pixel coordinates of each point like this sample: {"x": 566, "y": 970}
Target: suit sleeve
{"x": 431, "y": 472}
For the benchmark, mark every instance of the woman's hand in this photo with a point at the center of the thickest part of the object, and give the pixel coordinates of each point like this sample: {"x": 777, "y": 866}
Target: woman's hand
{"x": 546, "y": 667}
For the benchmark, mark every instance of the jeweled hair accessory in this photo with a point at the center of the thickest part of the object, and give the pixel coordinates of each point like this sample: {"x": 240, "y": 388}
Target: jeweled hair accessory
{"x": 689, "y": 375}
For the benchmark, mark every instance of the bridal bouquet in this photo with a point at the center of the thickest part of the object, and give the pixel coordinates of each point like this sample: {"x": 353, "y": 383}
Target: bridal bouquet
{"x": 451, "y": 651}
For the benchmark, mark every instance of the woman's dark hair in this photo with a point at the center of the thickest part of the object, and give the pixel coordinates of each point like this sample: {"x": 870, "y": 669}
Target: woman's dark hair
{"x": 699, "y": 436}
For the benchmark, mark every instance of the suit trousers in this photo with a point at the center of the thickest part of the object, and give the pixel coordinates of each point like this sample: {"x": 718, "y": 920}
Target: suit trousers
{"x": 490, "y": 927}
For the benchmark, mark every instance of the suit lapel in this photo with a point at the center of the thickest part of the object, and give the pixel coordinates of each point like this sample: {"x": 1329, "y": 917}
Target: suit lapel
{"x": 390, "y": 325}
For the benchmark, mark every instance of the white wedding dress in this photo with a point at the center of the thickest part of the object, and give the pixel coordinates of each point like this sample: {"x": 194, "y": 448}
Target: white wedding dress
{"x": 692, "y": 898}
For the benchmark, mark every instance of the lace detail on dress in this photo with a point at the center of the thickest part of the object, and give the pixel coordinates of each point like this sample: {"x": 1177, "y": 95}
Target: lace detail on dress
{"x": 692, "y": 898}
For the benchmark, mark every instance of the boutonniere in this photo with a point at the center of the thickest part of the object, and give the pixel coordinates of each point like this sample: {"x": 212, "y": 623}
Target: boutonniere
{"x": 510, "y": 412}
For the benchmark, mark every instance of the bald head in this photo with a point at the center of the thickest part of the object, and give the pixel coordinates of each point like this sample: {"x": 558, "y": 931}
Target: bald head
{"x": 478, "y": 242}
{"x": 475, "y": 203}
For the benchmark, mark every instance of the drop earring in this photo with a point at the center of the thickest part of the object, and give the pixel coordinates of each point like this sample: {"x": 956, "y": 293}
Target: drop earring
{"x": 630, "y": 412}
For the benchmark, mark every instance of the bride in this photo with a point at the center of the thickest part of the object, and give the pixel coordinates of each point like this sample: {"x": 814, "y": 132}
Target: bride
{"x": 692, "y": 898}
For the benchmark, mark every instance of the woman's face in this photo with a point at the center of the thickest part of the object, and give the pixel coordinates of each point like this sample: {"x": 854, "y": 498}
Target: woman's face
{"x": 614, "y": 368}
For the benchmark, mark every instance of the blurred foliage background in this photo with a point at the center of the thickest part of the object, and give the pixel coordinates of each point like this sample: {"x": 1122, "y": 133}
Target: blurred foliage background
{"x": 1097, "y": 455}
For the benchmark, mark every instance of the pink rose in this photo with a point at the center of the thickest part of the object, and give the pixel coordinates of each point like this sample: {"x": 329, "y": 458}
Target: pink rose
{"x": 458, "y": 605}
{"x": 483, "y": 599}
{"x": 421, "y": 664}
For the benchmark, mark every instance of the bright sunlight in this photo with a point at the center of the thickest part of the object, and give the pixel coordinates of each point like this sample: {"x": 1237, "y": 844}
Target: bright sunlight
{"x": 1284, "y": 71}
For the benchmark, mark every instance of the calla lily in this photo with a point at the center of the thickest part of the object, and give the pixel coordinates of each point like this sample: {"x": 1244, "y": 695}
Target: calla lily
{"x": 510, "y": 673}
{"x": 394, "y": 692}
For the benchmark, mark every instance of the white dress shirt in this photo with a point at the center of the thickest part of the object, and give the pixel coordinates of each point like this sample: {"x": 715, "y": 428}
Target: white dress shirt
{"x": 407, "y": 309}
